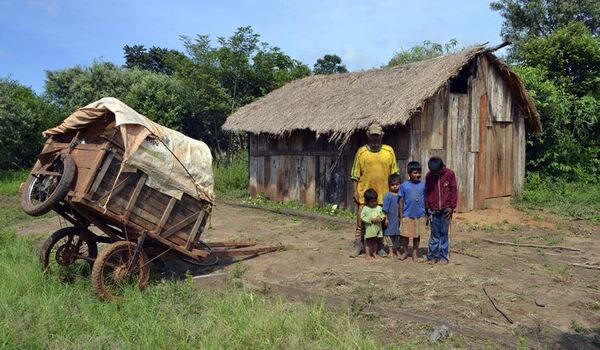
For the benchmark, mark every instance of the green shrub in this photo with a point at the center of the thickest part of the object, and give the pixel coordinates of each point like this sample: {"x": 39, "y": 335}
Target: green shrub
{"x": 231, "y": 176}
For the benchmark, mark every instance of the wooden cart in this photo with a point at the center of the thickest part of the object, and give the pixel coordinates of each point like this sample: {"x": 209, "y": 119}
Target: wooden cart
{"x": 78, "y": 176}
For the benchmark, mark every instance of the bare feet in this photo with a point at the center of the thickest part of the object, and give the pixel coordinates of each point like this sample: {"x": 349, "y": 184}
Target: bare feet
{"x": 415, "y": 257}
{"x": 431, "y": 262}
{"x": 443, "y": 262}
{"x": 403, "y": 256}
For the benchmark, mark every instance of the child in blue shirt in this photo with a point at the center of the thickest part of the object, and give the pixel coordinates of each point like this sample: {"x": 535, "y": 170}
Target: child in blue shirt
{"x": 391, "y": 206}
{"x": 412, "y": 204}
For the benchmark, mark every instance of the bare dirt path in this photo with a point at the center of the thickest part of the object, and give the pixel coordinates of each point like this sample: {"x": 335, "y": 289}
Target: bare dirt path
{"x": 520, "y": 280}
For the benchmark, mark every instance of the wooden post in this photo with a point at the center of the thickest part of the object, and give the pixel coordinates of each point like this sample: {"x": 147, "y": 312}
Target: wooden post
{"x": 101, "y": 173}
{"x": 180, "y": 225}
{"x": 196, "y": 231}
{"x": 165, "y": 216}
{"x": 134, "y": 196}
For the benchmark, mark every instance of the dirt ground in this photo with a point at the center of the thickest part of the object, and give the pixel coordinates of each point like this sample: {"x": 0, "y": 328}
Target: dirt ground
{"x": 552, "y": 304}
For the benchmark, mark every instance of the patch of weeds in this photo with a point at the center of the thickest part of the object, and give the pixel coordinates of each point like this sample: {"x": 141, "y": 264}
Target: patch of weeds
{"x": 552, "y": 241}
{"x": 366, "y": 292}
{"x": 578, "y": 328}
{"x": 10, "y": 180}
{"x": 523, "y": 341}
{"x": 490, "y": 228}
{"x": 238, "y": 270}
{"x": 514, "y": 227}
{"x": 574, "y": 199}
{"x": 560, "y": 273}
{"x": 592, "y": 305}
{"x": 331, "y": 226}
{"x": 465, "y": 245}
{"x": 356, "y": 308}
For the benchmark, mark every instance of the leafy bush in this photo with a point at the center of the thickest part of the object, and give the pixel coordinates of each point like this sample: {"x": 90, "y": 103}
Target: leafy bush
{"x": 23, "y": 116}
{"x": 231, "y": 176}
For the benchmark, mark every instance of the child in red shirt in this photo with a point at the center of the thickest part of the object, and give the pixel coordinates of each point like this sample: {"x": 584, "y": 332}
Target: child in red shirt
{"x": 440, "y": 202}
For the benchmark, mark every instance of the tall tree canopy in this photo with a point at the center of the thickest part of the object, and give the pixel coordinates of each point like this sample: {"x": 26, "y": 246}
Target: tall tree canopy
{"x": 557, "y": 53}
{"x": 530, "y": 18}
{"x": 329, "y": 64}
{"x": 155, "y": 59}
{"x": 425, "y": 51}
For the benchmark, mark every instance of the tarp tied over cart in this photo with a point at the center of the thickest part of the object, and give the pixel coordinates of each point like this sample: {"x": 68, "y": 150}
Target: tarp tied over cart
{"x": 175, "y": 164}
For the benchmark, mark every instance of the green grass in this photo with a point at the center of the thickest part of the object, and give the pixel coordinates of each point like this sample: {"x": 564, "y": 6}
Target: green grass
{"x": 231, "y": 177}
{"x": 577, "y": 200}
{"x": 11, "y": 180}
{"x": 39, "y": 312}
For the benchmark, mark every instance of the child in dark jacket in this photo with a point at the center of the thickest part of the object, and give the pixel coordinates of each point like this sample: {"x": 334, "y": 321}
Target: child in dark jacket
{"x": 440, "y": 202}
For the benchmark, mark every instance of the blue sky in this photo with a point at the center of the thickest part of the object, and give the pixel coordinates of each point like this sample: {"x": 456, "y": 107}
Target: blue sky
{"x": 40, "y": 35}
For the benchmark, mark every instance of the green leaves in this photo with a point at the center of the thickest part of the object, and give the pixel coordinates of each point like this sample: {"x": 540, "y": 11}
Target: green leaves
{"x": 329, "y": 64}
{"x": 425, "y": 51}
{"x": 23, "y": 116}
{"x": 557, "y": 53}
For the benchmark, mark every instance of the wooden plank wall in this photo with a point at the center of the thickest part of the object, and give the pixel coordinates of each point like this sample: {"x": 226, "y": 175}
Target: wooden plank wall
{"x": 443, "y": 130}
{"x": 501, "y": 140}
{"x": 298, "y": 167}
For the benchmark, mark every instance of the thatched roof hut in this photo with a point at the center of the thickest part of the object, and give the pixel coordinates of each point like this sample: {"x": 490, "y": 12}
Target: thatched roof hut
{"x": 424, "y": 105}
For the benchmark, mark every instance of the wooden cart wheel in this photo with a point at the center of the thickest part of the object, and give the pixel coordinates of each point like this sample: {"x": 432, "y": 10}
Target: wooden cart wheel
{"x": 43, "y": 191}
{"x": 115, "y": 270}
{"x": 68, "y": 251}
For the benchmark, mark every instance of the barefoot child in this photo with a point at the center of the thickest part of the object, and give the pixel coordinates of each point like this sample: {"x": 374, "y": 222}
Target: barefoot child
{"x": 412, "y": 207}
{"x": 372, "y": 216}
{"x": 391, "y": 203}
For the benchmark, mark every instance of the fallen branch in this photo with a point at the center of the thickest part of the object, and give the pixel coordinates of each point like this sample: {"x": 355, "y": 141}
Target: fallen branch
{"x": 466, "y": 254}
{"x": 497, "y": 308}
{"x": 531, "y": 245}
{"x": 585, "y": 266}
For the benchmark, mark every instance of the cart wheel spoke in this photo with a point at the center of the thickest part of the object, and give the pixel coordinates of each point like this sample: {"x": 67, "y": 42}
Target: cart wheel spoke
{"x": 115, "y": 270}
{"x": 61, "y": 254}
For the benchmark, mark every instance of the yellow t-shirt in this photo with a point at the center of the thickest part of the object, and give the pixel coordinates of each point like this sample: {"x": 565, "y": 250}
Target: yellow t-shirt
{"x": 372, "y": 169}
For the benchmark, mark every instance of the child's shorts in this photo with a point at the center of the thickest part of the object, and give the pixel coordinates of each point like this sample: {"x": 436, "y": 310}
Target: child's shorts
{"x": 413, "y": 227}
{"x": 392, "y": 241}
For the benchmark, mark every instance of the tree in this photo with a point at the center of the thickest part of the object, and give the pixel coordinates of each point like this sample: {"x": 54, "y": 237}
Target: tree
{"x": 568, "y": 145}
{"x": 557, "y": 53}
{"x": 237, "y": 70}
{"x": 158, "y": 96}
{"x": 23, "y": 117}
{"x": 329, "y": 64}
{"x": 155, "y": 59}
{"x": 425, "y": 51}
{"x": 569, "y": 55}
{"x": 530, "y": 18}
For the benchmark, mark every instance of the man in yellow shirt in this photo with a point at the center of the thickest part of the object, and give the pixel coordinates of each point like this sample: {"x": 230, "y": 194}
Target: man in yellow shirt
{"x": 373, "y": 164}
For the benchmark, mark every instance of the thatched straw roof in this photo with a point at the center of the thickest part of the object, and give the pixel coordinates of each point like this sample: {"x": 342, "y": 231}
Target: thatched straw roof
{"x": 339, "y": 104}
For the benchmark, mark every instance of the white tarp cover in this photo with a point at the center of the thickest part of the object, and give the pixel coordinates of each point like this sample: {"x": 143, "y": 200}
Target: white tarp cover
{"x": 153, "y": 149}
